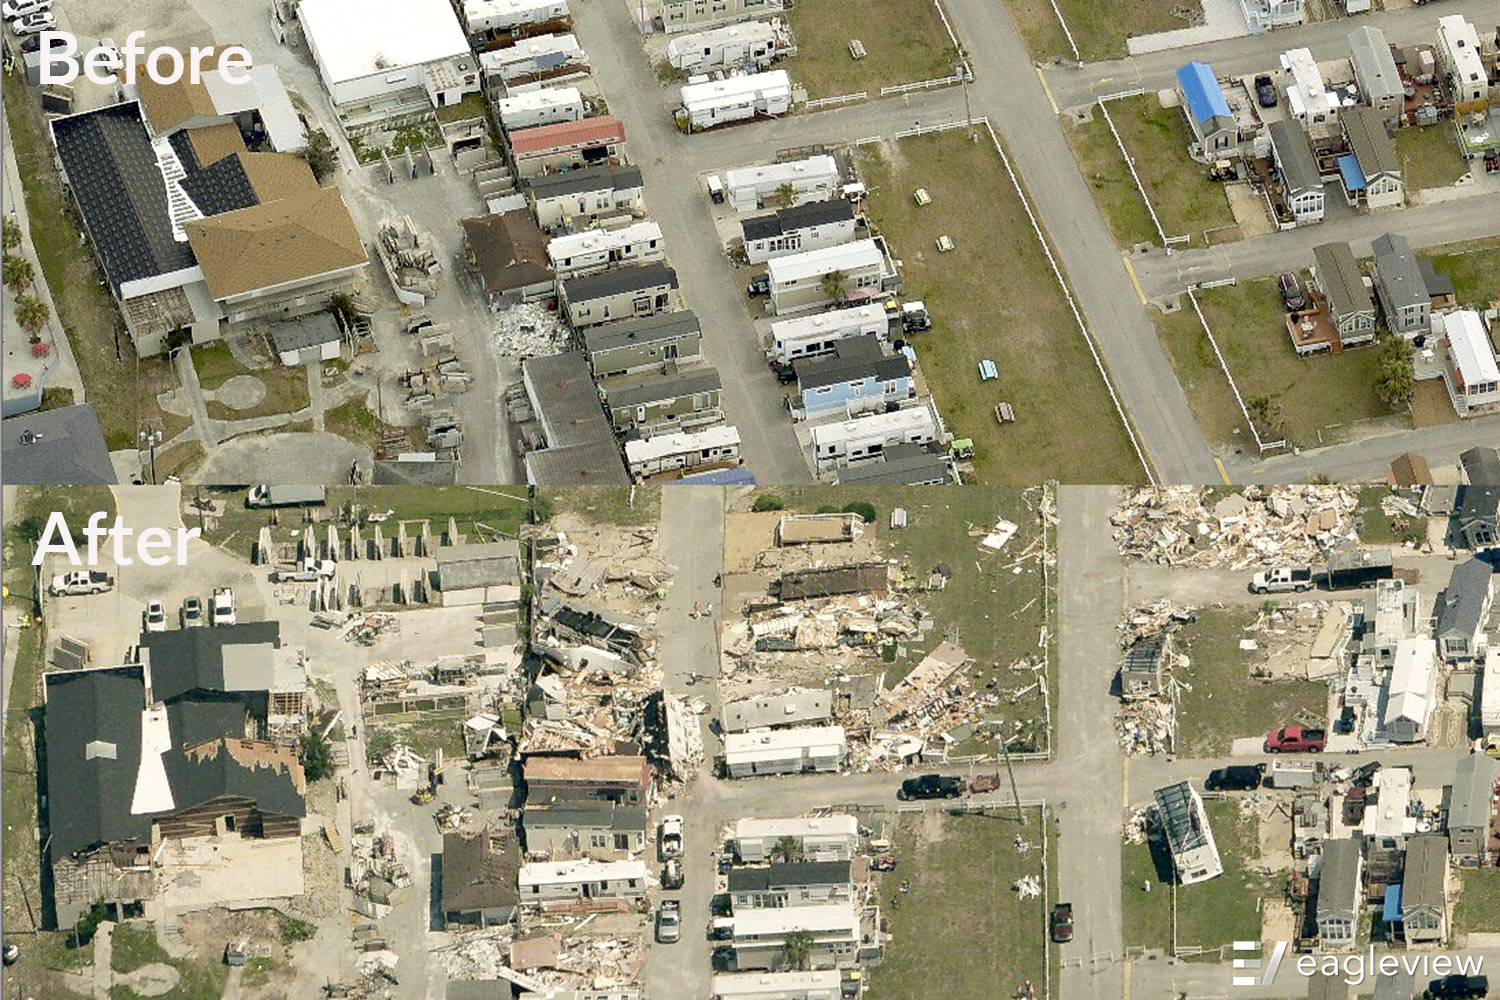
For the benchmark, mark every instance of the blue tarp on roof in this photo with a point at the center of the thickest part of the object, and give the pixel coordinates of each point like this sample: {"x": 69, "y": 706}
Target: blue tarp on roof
{"x": 1354, "y": 178}
{"x": 1390, "y": 913}
{"x": 1205, "y": 99}
{"x": 738, "y": 476}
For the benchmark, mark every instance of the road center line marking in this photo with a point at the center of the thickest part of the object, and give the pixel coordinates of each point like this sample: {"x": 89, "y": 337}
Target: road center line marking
{"x": 1130, "y": 270}
{"x": 1047, "y": 90}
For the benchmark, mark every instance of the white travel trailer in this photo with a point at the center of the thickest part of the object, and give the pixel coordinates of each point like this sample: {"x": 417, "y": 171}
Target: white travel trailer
{"x": 813, "y": 179}
{"x": 600, "y": 249}
{"x": 753, "y": 43}
{"x": 502, "y": 15}
{"x": 541, "y": 107}
{"x": 814, "y": 336}
{"x": 682, "y": 450}
{"x": 718, "y": 102}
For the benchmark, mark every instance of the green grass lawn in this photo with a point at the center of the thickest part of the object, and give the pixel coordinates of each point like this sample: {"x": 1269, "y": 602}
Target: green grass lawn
{"x": 1066, "y": 427}
{"x": 601, "y": 504}
{"x": 1474, "y": 268}
{"x": 1429, "y": 157}
{"x": 1226, "y": 701}
{"x": 904, "y": 42}
{"x": 961, "y": 869}
{"x": 286, "y": 388}
{"x": 1210, "y": 914}
{"x": 1099, "y": 29}
{"x": 1381, "y": 528}
{"x": 1478, "y": 907}
{"x": 996, "y": 613}
{"x": 133, "y": 945}
{"x": 424, "y": 736}
{"x": 121, "y": 387}
{"x": 354, "y": 421}
{"x": 1186, "y": 201}
{"x": 1318, "y": 397}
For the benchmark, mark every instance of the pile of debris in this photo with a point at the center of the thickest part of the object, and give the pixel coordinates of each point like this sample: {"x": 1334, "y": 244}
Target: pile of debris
{"x": 1137, "y": 825}
{"x": 377, "y": 873}
{"x": 528, "y": 330}
{"x": 1178, "y": 526}
{"x": 1147, "y": 727}
{"x": 410, "y": 258}
{"x": 369, "y": 629}
{"x": 1149, "y": 620}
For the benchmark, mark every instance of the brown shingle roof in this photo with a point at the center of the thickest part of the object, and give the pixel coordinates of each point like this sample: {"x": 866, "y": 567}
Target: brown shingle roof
{"x": 277, "y": 175}
{"x": 281, "y": 241}
{"x": 168, "y": 105}
{"x": 507, "y": 251}
{"x": 214, "y": 142}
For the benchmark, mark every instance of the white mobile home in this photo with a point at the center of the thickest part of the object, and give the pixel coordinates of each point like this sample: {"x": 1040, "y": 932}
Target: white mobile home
{"x": 753, "y": 43}
{"x": 797, "y": 281}
{"x": 530, "y": 56}
{"x": 1184, "y": 825}
{"x": 819, "y": 984}
{"x": 760, "y": 936}
{"x": 682, "y": 450}
{"x": 1308, "y": 99}
{"x": 814, "y": 336}
{"x": 850, "y": 442}
{"x": 1489, "y": 698}
{"x": 813, "y": 179}
{"x": 797, "y": 707}
{"x": 685, "y": 15}
{"x": 502, "y": 15}
{"x": 784, "y": 751}
{"x": 599, "y": 249}
{"x": 541, "y": 107}
{"x": 582, "y": 880}
{"x": 1413, "y": 689}
{"x": 1461, "y": 62}
{"x": 809, "y": 226}
{"x": 819, "y": 838}
{"x": 737, "y": 98}
{"x": 1473, "y": 371}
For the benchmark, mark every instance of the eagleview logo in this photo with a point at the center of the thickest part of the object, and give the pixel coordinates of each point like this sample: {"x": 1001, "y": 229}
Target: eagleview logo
{"x": 1264, "y": 979}
{"x": 1354, "y": 968}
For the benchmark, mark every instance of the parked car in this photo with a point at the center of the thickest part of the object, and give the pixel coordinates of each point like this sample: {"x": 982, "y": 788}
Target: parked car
{"x": 671, "y": 836}
{"x": 156, "y": 617}
{"x": 1062, "y": 923}
{"x": 669, "y": 921}
{"x": 1265, "y": 91}
{"x": 13, "y": 9}
{"x": 759, "y": 285}
{"x": 192, "y": 613}
{"x": 1296, "y": 739}
{"x": 80, "y": 581}
{"x": 671, "y": 874}
{"x": 1345, "y": 724}
{"x": 1292, "y": 296}
{"x": 930, "y": 786}
{"x": 33, "y": 24}
{"x": 786, "y": 374}
{"x": 223, "y": 608}
{"x": 1282, "y": 579}
{"x": 1458, "y": 987}
{"x": 1235, "y": 778}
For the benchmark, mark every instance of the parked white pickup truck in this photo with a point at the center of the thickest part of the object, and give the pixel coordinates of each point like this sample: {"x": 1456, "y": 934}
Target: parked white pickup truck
{"x": 1282, "y": 579}
{"x": 81, "y": 582}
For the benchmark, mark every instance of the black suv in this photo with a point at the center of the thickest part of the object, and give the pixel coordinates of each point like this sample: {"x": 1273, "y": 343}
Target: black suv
{"x": 1458, "y": 987}
{"x": 930, "y": 786}
{"x": 1265, "y": 91}
{"x": 1235, "y": 778}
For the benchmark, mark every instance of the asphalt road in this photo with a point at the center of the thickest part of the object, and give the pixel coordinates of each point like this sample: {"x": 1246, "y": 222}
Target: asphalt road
{"x": 1367, "y": 459}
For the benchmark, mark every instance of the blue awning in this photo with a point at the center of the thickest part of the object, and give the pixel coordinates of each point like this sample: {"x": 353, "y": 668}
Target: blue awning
{"x": 1354, "y": 178}
{"x": 1391, "y": 912}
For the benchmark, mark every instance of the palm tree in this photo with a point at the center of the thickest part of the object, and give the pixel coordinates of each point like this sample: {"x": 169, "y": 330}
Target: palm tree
{"x": 833, "y": 285}
{"x": 784, "y": 196}
{"x": 32, "y": 313}
{"x": 18, "y": 272}
{"x": 787, "y": 849}
{"x": 1395, "y": 384}
{"x": 799, "y": 947}
{"x": 12, "y": 231}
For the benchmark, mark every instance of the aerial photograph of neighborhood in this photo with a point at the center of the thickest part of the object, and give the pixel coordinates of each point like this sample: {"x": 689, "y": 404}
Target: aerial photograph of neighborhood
{"x": 848, "y": 242}
{"x": 749, "y": 743}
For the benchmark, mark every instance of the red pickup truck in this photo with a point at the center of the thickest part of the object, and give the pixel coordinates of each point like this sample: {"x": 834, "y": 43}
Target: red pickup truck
{"x": 1296, "y": 739}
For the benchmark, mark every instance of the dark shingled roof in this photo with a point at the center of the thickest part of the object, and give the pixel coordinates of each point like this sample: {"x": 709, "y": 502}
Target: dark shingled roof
{"x": 507, "y": 251}
{"x": 62, "y": 447}
{"x": 852, "y": 358}
{"x": 112, "y": 170}
{"x": 192, "y": 659}
{"x": 903, "y": 464}
{"x": 210, "y": 770}
{"x": 779, "y": 875}
{"x": 657, "y": 388}
{"x": 479, "y": 872}
{"x": 1461, "y": 604}
{"x": 644, "y": 330}
{"x": 804, "y": 216}
{"x": 89, "y": 793}
{"x": 577, "y": 181}
{"x": 192, "y": 722}
{"x": 617, "y": 281}
{"x": 222, "y": 187}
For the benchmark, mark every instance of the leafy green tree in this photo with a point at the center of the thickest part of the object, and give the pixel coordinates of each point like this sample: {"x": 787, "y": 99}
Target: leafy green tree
{"x": 1395, "y": 383}
{"x": 863, "y": 508}
{"x": 787, "y": 849}
{"x": 834, "y": 284}
{"x": 799, "y": 948}
{"x": 18, "y": 272}
{"x": 317, "y": 757}
{"x": 321, "y": 155}
{"x": 767, "y": 501}
{"x": 783, "y": 196}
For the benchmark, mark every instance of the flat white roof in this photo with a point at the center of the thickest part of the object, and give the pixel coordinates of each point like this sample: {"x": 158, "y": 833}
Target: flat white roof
{"x": 835, "y": 319}
{"x": 479, "y": 10}
{"x": 529, "y": 48}
{"x": 1460, "y": 38}
{"x": 816, "y": 263}
{"x": 594, "y": 240}
{"x": 1387, "y": 817}
{"x": 838, "y": 825}
{"x": 753, "y": 983}
{"x": 265, "y": 93}
{"x": 536, "y": 100}
{"x": 778, "y": 173}
{"x": 736, "y": 89}
{"x": 1470, "y": 346}
{"x": 786, "y": 919}
{"x": 153, "y": 792}
{"x": 1307, "y": 94}
{"x": 762, "y": 746}
{"x": 359, "y": 38}
{"x": 728, "y": 35}
{"x": 678, "y": 442}
{"x": 895, "y": 424}
{"x": 568, "y": 872}
{"x": 1411, "y": 679}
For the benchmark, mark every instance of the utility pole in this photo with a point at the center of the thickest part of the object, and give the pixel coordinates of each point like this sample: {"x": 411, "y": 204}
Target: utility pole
{"x": 1015, "y": 794}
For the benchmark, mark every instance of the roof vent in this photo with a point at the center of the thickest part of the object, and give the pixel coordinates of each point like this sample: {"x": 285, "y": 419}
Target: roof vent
{"x": 97, "y": 749}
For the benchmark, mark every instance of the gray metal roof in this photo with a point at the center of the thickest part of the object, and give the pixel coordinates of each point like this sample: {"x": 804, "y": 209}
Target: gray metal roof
{"x": 660, "y": 388}
{"x": 645, "y": 330}
{"x": 1462, "y": 602}
{"x": 566, "y": 400}
{"x": 1397, "y": 271}
{"x": 1299, "y": 170}
{"x": 62, "y": 447}
{"x": 853, "y": 358}
{"x": 903, "y": 464}
{"x": 1469, "y": 805}
{"x": 1372, "y": 145}
{"x": 1338, "y": 878}
{"x": 1374, "y": 66}
{"x": 1340, "y": 279}
{"x": 1177, "y": 809}
{"x": 591, "y": 463}
{"x": 485, "y": 565}
{"x": 1423, "y": 882}
{"x": 618, "y": 281}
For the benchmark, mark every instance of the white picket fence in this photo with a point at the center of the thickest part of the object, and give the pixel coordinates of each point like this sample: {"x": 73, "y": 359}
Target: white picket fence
{"x": 818, "y": 103}
{"x": 906, "y": 88}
